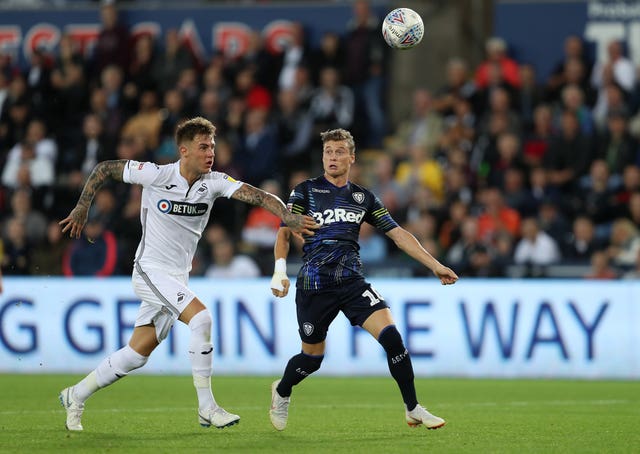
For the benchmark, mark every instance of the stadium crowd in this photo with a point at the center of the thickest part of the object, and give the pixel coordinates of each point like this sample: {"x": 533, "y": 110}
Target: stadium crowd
{"x": 496, "y": 168}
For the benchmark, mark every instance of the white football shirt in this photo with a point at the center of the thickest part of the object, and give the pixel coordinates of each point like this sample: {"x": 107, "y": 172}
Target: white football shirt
{"x": 173, "y": 215}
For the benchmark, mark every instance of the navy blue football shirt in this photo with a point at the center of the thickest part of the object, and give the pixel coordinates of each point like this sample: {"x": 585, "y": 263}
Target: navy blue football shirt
{"x": 331, "y": 256}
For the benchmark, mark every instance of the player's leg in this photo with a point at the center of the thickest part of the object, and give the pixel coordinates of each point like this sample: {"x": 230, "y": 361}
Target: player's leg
{"x": 381, "y": 326}
{"x": 114, "y": 367}
{"x": 315, "y": 312}
{"x": 198, "y": 318}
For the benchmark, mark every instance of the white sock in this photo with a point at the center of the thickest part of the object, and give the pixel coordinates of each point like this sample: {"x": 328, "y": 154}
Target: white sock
{"x": 85, "y": 387}
{"x": 201, "y": 357}
{"x": 111, "y": 369}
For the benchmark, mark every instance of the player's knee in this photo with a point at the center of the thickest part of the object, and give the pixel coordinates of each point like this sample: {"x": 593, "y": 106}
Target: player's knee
{"x": 391, "y": 340}
{"x": 202, "y": 321}
{"x": 132, "y": 359}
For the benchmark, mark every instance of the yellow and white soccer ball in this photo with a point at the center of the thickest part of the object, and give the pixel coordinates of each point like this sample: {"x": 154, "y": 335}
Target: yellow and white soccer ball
{"x": 402, "y": 28}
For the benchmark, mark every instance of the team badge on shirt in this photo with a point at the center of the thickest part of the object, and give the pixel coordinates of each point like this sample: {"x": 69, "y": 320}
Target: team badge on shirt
{"x": 358, "y": 197}
{"x": 307, "y": 328}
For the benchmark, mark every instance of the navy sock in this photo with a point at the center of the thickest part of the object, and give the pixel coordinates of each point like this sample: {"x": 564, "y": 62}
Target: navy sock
{"x": 399, "y": 364}
{"x": 298, "y": 368}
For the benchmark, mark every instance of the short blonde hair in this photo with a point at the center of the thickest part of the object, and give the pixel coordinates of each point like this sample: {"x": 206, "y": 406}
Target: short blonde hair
{"x": 339, "y": 134}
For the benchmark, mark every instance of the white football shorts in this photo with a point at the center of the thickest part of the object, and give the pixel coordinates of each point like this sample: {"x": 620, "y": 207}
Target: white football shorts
{"x": 164, "y": 296}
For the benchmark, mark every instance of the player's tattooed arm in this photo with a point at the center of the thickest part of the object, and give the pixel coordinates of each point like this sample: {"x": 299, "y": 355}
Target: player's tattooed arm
{"x": 302, "y": 224}
{"x": 102, "y": 172}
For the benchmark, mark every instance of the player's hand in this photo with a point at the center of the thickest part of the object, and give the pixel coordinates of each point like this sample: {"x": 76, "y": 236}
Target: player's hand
{"x": 280, "y": 285}
{"x": 74, "y": 223}
{"x": 446, "y": 275}
{"x": 302, "y": 224}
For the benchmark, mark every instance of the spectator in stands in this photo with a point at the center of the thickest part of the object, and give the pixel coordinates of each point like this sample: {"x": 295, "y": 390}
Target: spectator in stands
{"x": 496, "y": 217}
{"x": 582, "y": 243}
{"x": 38, "y": 78}
{"x": 258, "y": 152}
{"x": 624, "y": 243}
{"x": 496, "y": 53}
{"x": 170, "y": 63}
{"x": 573, "y": 100}
{"x": 25, "y": 168}
{"x": 421, "y": 170}
{"x": 140, "y": 70}
{"x": 35, "y": 223}
{"x": 616, "y": 146}
{"x": 536, "y": 249}
{"x": 509, "y": 156}
{"x": 213, "y": 80}
{"x": 458, "y": 86}
{"x": 390, "y": 191}
{"x": 460, "y": 253}
{"x": 601, "y": 268}
{"x": 95, "y": 253}
{"x": 16, "y": 257}
{"x": 537, "y": 141}
{"x": 13, "y": 122}
{"x": 332, "y": 104}
{"x": 540, "y": 188}
{"x": 620, "y": 66}
{"x": 573, "y": 51}
{"x": 569, "y": 155}
{"x": 451, "y": 227}
{"x": 46, "y": 260}
{"x": 597, "y": 197}
{"x": 113, "y": 46}
{"x": 296, "y": 52}
{"x": 516, "y": 194}
{"x": 146, "y": 124}
{"x": 528, "y": 96}
{"x": 227, "y": 264}
{"x": 422, "y": 128}
{"x": 330, "y": 53}
{"x": 294, "y": 128}
{"x": 364, "y": 74}
{"x": 611, "y": 97}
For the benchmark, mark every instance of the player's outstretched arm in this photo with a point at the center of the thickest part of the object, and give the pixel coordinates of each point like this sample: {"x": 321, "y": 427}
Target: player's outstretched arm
{"x": 280, "y": 281}
{"x": 298, "y": 223}
{"x": 409, "y": 244}
{"x": 101, "y": 173}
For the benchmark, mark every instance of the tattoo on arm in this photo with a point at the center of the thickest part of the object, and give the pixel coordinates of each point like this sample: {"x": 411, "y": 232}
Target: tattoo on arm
{"x": 103, "y": 171}
{"x": 254, "y": 196}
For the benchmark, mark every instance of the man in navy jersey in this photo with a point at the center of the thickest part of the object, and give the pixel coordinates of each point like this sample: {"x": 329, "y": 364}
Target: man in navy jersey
{"x": 331, "y": 280}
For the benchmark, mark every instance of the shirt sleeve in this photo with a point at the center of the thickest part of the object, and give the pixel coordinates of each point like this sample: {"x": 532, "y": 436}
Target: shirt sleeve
{"x": 379, "y": 216}
{"x": 227, "y": 185}
{"x": 297, "y": 201}
{"x": 143, "y": 173}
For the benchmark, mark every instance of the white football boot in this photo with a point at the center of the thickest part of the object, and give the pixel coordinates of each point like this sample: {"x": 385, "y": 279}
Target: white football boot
{"x": 420, "y": 415}
{"x": 279, "y": 411}
{"x": 74, "y": 409}
{"x": 217, "y": 417}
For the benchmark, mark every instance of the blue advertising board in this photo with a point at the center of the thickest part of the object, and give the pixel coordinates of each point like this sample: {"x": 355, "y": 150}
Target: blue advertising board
{"x": 476, "y": 328}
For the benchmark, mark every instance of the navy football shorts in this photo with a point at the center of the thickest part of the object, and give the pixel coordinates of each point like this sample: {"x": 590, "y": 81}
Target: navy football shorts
{"x": 317, "y": 309}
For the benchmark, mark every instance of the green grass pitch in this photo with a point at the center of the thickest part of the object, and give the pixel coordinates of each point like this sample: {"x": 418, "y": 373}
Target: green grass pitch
{"x": 158, "y": 414}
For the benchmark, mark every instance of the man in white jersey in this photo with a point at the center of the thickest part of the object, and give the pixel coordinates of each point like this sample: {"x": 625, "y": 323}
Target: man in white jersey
{"x": 176, "y": 204}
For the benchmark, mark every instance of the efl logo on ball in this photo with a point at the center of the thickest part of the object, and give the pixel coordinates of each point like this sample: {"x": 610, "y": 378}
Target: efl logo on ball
{"x": 402, "y": 28}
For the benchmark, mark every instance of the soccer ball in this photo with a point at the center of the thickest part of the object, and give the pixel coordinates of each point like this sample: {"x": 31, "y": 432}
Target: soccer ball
{"x": 402, "y": 28}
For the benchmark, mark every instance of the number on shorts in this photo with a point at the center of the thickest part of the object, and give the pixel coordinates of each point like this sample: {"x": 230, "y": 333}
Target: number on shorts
{"x": 373, "y": 295}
